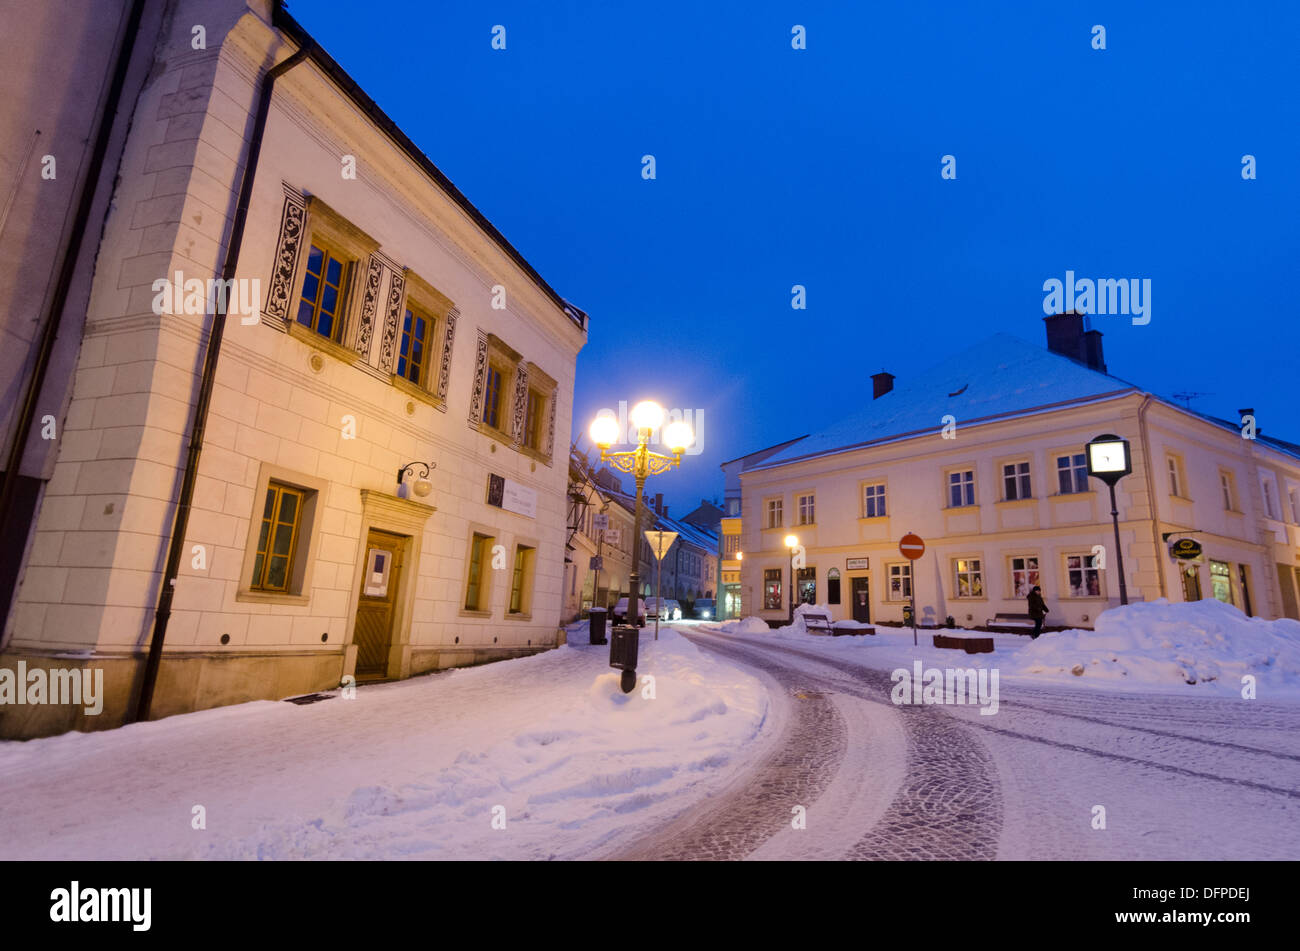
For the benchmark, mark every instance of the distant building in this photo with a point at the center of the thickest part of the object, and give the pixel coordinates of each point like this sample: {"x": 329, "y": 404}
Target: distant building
{"x": 591, "y": 495}
{"x": 983, "y": 457}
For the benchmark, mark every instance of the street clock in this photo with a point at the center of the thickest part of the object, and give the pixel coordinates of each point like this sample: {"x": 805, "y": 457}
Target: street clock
{"x": 1109, "y": 458}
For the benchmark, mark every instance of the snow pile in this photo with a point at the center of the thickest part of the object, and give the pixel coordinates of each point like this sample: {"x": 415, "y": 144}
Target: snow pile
{"x": 1202, "y": 642}
{"x": 749, "y": 625}
{"x": 542, "y": 757}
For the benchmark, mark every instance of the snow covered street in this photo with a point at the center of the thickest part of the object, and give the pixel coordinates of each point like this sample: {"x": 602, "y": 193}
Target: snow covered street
{"x": 537, "y": 758}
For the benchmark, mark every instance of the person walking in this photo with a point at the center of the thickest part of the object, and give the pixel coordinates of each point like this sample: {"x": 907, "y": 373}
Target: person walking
{"x": 1037, "y": 610}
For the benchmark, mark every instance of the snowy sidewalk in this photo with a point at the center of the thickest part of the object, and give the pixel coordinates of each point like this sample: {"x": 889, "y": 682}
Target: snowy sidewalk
{"x": 414, "y": 769}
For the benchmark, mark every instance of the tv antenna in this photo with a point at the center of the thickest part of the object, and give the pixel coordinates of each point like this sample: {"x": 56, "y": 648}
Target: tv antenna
{"x": 1188, "y": 395}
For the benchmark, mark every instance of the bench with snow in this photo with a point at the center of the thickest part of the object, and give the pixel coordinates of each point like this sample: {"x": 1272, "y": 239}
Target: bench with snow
{"x": 852, "y": 627}
{"x": 1011, "y": 624}
{"x": 817, "y": 622}
{"x": 971, "y": 645}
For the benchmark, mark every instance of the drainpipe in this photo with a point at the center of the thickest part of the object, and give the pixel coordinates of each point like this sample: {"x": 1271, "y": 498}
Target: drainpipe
{"x": 52, "y": 319}
{"x": 199, "y": 425}
{"x": 1151, "y": 493}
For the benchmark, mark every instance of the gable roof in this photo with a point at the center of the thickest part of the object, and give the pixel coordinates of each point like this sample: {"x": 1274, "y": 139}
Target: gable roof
{"x": 1000, "y": 377}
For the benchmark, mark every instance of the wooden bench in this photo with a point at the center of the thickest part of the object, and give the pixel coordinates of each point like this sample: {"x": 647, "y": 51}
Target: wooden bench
{"x": 814, "y": 621}
{"x": 1010, "y": 623}
{"x": 841, "y": 629}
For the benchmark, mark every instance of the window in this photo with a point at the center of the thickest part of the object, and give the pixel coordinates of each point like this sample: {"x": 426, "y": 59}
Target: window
{"x": 320, "y": 306}
{"x": 772, "y": 589}
{"x": 873, "y": 500}
{"x": 1015, "y": 481}
{"x": 730, "y": 544}
{"x": 806, "y": 579}
{"x": 1229, "y": 491}
{"x": 417, "y": 330}
{"x": 480, "y": 550}
{"x": 1072, "y": 473}
{"x": 493, "y": 396}
{"x": 1024, "y": 575}
{"x": 806, "y": 512}
{"x": 970, "y": 580}
{"x": 900, "y": 581}
{"x": 278, "y": 538}
{"x": 1221, "y": 581}
{"x": 1175, "y": 480}
{"x": 519, "y": 579}
{"x": 961, "y": 488}
{"x": 774, "y": 513}
{"x": 1295, "y": 506}
{"x": 1083, "y": 577}
{"x": 536, "y": 412}
{"x": 1266, "y": 484}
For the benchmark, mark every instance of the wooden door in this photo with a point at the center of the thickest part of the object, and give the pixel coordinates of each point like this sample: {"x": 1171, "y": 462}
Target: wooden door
{"x": 381, "y": 578}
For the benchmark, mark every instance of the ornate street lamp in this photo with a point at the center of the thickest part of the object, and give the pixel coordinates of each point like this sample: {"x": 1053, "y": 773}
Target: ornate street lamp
{"x": 647, "y": 416}
{"x": 1109, "y": 459}
{"x": 791, "y": 542}
{"x": 422, "y": 484}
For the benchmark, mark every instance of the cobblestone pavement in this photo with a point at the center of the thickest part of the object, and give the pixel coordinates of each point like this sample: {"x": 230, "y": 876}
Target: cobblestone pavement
{"x": 949, "y": 806}
{"x": 795, "y": 773}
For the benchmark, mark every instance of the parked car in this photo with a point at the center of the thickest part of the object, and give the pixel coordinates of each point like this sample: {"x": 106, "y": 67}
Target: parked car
{"x": 620, "y": 612}
{"x": 670, "y": 610}
{"x": 706, "y": 608}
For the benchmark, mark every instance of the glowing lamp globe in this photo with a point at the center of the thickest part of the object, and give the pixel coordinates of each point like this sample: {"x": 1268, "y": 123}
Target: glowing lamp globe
{"x": 791, "y": 541}
{"x": 678, "y": 435}
{"x": 647, "y": 415}
{"x": 604, "y": 431}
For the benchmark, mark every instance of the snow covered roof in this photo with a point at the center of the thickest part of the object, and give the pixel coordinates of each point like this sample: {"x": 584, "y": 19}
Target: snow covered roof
{"x": 998, "y": 378}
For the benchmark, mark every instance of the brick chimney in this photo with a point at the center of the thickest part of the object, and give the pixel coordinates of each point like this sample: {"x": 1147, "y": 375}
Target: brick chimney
{"x": 1071, "y": 336}
{"x": 659, "y": 503}
{"x": 881, "y": 383}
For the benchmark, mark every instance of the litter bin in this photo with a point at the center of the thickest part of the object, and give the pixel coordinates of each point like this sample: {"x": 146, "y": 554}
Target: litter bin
{"x": 623, "y": 653}
{"x": 596, "y": 621}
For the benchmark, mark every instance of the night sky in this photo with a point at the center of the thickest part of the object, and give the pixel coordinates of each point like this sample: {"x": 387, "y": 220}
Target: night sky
{"x": 821, "y": 167}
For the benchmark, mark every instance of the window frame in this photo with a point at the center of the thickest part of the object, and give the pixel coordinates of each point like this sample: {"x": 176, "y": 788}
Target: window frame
{"x": 1178, "y": 487}
{"x": 970, "y": 486}
{"x": 770, "y": 576}
{"x": 1036, "y": 571}
{"x": 519, "y": 598}
{"x": 811, "y": 509}
{"x": 1021, "y": 478}
{"x": 882, "y": 497}
{"x": 482, "y": 584}
{"x": 1228, "y": 489}
{"x": 347, "y": 265}
{"x": 1078, "y": 471}
{"x": 415, "y": 310}
{"x": 975, "y": 575}
{"x": 325, "y": 227}
{"x": 779, "y": 502}
{"x": 306, "y": 543}
{"x": 905, "y": 576}
{"x": 1086, "y": 556}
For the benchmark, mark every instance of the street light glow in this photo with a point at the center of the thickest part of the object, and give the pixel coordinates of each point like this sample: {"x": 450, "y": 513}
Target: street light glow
{"x": 604, "y": 430}
{"x": 791, "y": 541}
{"x": 647, "y": 415}
{"x": 679, "y": 435}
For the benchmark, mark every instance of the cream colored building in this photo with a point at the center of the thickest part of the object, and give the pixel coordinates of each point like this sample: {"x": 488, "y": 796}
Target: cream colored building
{"x": 393, "y": 324}
{"x": 591, "y": 494}
{"x": 983, "y": 458}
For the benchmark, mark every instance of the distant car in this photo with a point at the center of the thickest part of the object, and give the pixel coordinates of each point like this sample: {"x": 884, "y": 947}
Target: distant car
{"x": 620, "y": 612}
{"x": 706, "y": 608}
{"x": 670, "y": 610}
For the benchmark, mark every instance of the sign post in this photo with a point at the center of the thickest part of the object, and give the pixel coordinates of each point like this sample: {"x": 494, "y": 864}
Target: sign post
{"x": 660, "y": 542}
{"x": 1110, "y": 459}
{"x": 911, "y": 547}
{"x": 599, "y": 523}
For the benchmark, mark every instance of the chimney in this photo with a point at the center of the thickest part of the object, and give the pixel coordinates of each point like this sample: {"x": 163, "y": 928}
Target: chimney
{"x": 659, "y": 502}
{"x": 881, "y": 383}
{"x": 1070, "y": 336}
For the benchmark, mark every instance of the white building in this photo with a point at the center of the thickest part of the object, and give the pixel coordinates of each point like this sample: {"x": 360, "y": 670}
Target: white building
{"x": 393, "y": 324}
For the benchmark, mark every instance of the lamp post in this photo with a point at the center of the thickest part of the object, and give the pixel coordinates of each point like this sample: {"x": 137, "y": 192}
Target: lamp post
{"x": 641, "y": 463}
{"x": 1110, "y": 459}
{"x": 791, "y": 542}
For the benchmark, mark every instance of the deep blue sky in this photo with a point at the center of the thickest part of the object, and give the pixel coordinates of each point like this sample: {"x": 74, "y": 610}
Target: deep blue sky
{"x": 821, "y": 167}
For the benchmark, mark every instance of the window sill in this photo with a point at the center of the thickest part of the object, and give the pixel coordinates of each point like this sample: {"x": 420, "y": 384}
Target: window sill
{"x": 1015, "y": 503}
{"x": 324, "y": 344}
{"x": 415, "y": 391}
{"x": 465, "y": 612}
{"x": 487, "y": 429}
{"x": 537, "y": 454}
{"x": 272, "y": 597}
{"x": 968, "y": 600}
{"x": 518, "y": 616}
{"x": 958, "y": 508}
{"x": 1180, "y": 498}
{"x": 1071, "y": 495}
{"x": 872, "y": 518}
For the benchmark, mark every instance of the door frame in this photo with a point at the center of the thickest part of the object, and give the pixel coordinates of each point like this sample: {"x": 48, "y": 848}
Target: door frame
{"x": 852, "y": 580}
{"x": 404, "y": 517}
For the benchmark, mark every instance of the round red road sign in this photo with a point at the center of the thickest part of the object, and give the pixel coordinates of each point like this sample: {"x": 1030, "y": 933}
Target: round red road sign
{"x": 911, "y": 546}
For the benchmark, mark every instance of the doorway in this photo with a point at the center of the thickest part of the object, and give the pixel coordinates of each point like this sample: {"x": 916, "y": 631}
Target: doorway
{"x": 381, "y": 578}
{"x": 862, "y": 599}
{"x": 1191, "y": 583}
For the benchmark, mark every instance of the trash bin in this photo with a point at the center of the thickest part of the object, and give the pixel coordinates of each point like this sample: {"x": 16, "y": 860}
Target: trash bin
{"x": 596, "y": 620}
{"x": 625, "y": 641}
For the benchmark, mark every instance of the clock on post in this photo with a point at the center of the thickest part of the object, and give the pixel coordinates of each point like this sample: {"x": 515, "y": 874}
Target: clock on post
{"x": 1110, "y": 460}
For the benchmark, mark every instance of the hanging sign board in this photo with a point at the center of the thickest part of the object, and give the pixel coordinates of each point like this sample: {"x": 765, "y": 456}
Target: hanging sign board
{"x": 597, "y": 562}
{"x": 599, "y": 522}
{"x": 1185, "y": 548}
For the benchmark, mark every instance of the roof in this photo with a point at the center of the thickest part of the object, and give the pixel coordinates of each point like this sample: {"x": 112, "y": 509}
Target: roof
{"x": 282, "y": 20}
{"x": 1001, "y": 377}
{"x": 760, "y": 452}
{"x": 998, "y": 378}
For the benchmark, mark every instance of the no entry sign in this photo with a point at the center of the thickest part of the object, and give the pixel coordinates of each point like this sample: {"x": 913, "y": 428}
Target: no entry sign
{"x": 911, "y": 546}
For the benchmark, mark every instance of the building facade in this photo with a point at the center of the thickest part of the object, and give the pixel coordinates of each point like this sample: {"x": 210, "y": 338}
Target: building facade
{"x": 983, "y": 457}
{"x": 589, "y": 582}
{"x": 381, "y": 488}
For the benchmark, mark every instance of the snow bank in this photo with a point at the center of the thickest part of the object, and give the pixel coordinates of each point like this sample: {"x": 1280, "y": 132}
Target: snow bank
{"x": 1203, "y": 643}
{"x": 749, "y": 625}
{"x": 548, "y": 746}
